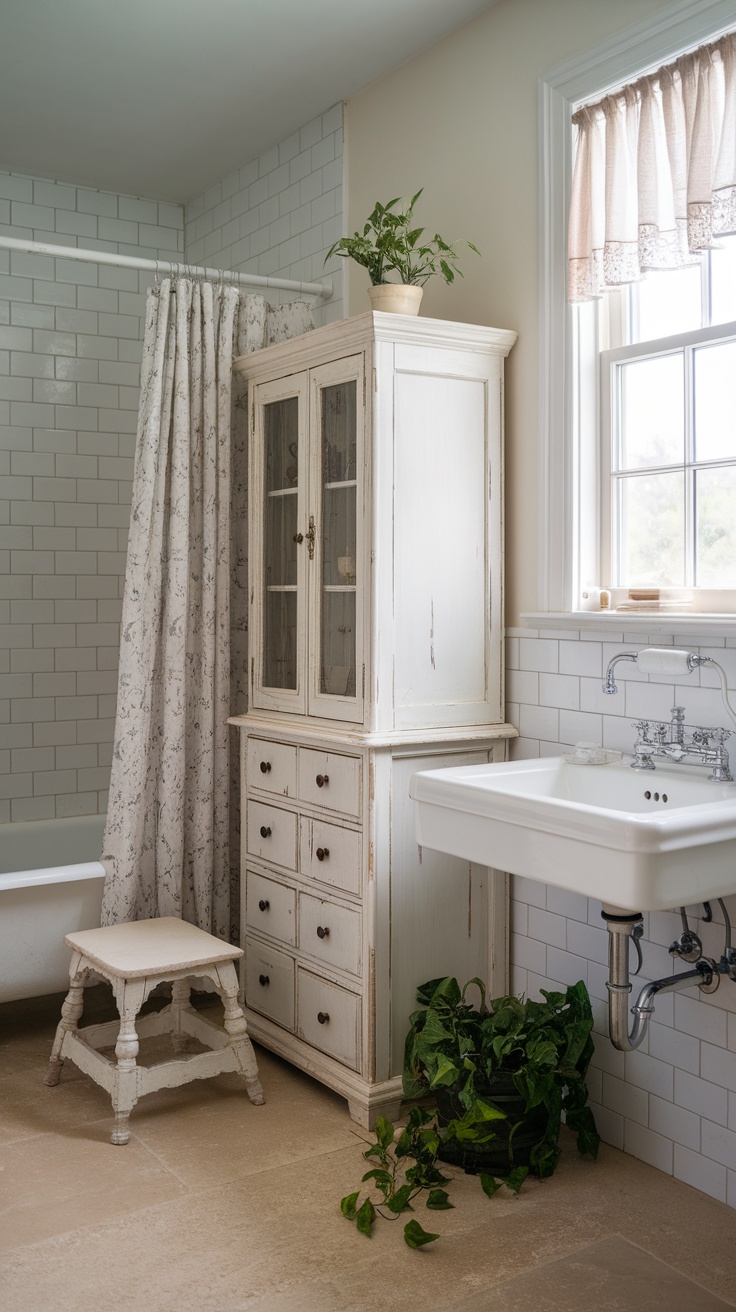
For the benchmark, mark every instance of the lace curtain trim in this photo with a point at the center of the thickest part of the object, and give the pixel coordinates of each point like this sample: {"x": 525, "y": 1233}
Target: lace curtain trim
{"x": 654, "y": 182}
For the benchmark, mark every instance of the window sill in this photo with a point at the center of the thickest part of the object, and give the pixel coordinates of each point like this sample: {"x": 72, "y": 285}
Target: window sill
{"x": 685, "y": 623}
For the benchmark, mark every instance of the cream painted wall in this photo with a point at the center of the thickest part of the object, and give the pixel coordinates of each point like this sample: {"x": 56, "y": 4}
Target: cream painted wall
{"x": 461, "y": 121}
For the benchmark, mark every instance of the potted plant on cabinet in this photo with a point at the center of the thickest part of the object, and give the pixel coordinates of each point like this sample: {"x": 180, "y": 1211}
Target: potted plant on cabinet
{"x": 389, "y": 245}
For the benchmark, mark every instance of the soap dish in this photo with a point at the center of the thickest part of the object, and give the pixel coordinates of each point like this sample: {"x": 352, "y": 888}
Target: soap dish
{"x": 592, "y": 754}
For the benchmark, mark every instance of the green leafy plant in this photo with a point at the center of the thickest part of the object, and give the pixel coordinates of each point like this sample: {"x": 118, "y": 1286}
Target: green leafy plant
{"x": 462, "y": 1056}
{"x": 397, "y": 1181}
{"x": 389, "y": 244}
{"x": 460, "y": 1053}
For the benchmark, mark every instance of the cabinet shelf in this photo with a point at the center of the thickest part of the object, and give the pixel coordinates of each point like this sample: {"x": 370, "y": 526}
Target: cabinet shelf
{"x": 281, "y": 587}
{"x": 345, "y": 482}
{"x": 339, "y": 587}
{"x": 283, "y": 491}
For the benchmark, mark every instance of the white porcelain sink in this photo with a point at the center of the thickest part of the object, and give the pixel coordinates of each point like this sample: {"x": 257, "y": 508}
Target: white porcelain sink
{"x": 640, "y": 840}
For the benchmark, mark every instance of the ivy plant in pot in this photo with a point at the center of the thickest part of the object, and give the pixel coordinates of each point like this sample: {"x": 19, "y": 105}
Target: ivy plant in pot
{"x": 399, "y": 258}
{"x": 522, "y": 1058}
{"x": 495, "y": 1081}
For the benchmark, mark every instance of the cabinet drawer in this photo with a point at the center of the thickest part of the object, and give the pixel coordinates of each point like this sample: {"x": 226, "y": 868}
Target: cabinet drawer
{"x": 329, "y": 1018}
{"x": 330, "y": 933}
{"x": 330, "y": 779}
{"x": 269, "y": 982}
{"x": 272, "y": 834}
{"x": 270, "y": 908}
{"x": 271, "y": 766}
{"x": 330, "y": 854}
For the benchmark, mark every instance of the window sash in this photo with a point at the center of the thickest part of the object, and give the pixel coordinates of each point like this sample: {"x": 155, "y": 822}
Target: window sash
{"x": 610, "y": 545}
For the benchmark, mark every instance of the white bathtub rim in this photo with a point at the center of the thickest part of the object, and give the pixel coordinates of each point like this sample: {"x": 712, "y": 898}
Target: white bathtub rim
{"x": 52, "y": 875}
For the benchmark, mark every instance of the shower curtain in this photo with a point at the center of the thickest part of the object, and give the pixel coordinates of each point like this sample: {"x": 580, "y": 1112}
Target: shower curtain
{"x": 166, "y": 848}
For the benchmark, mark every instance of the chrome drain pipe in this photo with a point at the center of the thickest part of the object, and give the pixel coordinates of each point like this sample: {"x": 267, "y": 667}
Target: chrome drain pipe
{"x": 621, "y": 927}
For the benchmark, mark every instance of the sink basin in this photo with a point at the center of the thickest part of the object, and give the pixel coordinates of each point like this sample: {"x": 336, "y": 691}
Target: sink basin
{"x": 639, "y": 840}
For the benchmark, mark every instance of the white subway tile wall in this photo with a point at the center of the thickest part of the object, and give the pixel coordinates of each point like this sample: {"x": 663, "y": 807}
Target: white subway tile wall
{"x": 70, "y": 351}
{"x": 673, "y": 1101}
{"x": 279, "y": 214}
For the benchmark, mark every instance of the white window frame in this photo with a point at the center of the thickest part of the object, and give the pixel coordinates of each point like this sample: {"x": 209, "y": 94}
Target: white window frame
{"x": 684, "y": 343}
{"x": 569, "y": 470}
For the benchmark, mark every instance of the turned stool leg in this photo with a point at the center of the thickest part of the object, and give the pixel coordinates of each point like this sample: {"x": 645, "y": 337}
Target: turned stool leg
{"x": 180, "y": 1041}
{"x": 71, "y": 1010}
{"x": 125, "y": 1085}
{"x": 237, "y": 1030}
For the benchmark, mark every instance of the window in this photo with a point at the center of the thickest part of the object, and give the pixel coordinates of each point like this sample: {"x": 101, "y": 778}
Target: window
{"x": 668, "y": 428}
{"x": 643, "y": 324}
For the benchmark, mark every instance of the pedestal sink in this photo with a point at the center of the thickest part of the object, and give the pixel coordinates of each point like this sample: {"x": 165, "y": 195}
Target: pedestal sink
{"x": 641, "y": 840}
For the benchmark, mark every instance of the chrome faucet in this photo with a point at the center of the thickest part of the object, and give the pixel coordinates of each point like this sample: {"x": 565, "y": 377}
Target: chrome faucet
{"x": 672, "y": 742}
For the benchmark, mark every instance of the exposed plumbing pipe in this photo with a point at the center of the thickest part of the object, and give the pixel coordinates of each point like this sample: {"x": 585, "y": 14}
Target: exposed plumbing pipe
{"x": 620, "y": 929}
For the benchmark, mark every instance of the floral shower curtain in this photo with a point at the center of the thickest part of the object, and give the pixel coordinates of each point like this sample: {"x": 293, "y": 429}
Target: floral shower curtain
{"x": 166, "y": 847}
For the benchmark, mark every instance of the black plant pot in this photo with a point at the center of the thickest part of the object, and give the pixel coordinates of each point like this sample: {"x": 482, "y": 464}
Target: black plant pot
{"x": 497, "y": 1157}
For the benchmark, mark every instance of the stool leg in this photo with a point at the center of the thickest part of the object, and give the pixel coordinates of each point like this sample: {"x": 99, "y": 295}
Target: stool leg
{"x": 237, "y": 1030}
{"x": 125, "y": 1085}
{"x": 71, "y": 1010}
{"x": 180, "y": 1040}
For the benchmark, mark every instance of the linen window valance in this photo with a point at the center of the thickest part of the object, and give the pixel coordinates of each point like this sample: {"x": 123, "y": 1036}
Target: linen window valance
{"x": 654, "y": 181}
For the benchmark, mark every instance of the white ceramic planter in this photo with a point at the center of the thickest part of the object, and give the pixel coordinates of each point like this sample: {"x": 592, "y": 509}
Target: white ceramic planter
{"x": 396, "y": 297}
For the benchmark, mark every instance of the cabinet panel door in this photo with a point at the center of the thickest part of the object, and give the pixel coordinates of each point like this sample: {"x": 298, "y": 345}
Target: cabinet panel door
{"x": 278, "y": 509}
{"x": 337, "y": 585}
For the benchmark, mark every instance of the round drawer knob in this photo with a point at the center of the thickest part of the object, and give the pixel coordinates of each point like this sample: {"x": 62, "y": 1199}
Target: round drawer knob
{"x": 265, "y": 831}
{"x": 323, "y": 853}
{"x": 264, "y": 904}
{"x": 323, "y": 1017}
{"x": 263, "y": 980}
{"x": 265, "y": 767}
{"x": 322, "y": 779}
{"x": 323, "y": 931}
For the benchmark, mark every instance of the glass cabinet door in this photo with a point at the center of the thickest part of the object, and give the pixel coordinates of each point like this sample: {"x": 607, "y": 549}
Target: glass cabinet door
{"x": 337, "y": 497}
{"x": 279, "y": 568}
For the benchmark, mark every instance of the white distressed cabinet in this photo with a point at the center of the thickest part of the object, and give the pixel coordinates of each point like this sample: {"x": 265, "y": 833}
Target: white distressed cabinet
{"x": 375, "y": 630}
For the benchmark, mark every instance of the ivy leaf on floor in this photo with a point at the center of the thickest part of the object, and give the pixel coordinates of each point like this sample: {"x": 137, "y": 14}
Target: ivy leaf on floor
{"x": 416, "y": 1237}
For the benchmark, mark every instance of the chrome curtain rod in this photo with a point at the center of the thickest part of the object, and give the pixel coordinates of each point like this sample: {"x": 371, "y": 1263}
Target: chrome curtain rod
{"x": 179, "y": 268}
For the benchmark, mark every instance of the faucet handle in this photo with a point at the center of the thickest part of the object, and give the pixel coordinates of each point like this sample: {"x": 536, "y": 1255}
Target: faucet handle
{"x": 703, "y": 736}
{"x": 678, "y": 714}
{"x": 721, "y": 735}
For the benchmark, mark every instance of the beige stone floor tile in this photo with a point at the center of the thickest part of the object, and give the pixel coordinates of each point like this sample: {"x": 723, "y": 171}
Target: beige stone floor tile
{"x": 29, "y": 1107}
{"x": 208, "y": 1132}
{"x": 219, "y": 1206}
{"x": 612, "y": 1274}
{"x": 57, "y": 1182}
{"x": 279, "y": 1234}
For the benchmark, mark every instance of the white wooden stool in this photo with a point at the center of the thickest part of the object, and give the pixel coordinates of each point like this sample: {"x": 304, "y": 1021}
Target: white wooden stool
{"x": 134, "y": 957}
